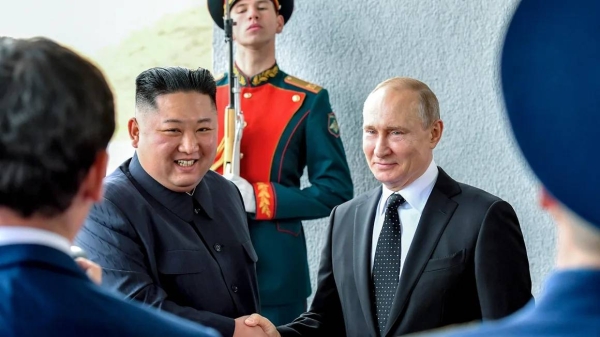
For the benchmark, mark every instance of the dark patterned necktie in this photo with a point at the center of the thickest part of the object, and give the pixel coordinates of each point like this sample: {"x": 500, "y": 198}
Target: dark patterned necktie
{"x": 386, "y": 265}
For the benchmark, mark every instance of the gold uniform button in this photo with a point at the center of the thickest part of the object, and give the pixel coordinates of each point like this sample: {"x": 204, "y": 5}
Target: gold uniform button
{"x": 247, "y": 95}
{"x": 296, "y": 98}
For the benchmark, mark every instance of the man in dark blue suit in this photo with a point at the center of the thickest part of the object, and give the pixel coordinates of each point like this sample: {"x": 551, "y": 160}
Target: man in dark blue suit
{"x": 169, "y": 232}
{"x": 56, "y": 119}
{"x": 550, "y": 79}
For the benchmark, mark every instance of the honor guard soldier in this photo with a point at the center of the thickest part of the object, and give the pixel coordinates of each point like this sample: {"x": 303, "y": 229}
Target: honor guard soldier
{"x": 288, "y": 126}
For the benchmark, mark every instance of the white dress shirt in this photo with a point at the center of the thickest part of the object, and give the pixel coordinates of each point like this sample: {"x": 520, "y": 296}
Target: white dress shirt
{"x": 416, "y": 195}
{"x": 28, "y": 235}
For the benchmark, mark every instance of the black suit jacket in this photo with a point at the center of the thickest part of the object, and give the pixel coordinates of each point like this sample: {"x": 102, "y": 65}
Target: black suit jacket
{"x": 191, "y": 256}
{"x": 467, "y": 262}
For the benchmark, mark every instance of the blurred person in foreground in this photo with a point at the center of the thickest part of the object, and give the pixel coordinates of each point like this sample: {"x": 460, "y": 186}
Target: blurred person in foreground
{"x": 56, "y": 119}
{"x": 550, "y": 77}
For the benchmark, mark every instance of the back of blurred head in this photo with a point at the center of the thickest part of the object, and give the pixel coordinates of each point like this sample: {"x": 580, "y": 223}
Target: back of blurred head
{"x": 56, "y": 119}
{"x": 550, "y": 80}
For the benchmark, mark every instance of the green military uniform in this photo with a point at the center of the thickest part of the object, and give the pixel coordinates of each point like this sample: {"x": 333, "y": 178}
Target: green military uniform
{"x": 290, "y": 126}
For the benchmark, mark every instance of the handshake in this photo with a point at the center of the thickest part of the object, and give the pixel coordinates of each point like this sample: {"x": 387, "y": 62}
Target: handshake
{"x": 254, "y": 325}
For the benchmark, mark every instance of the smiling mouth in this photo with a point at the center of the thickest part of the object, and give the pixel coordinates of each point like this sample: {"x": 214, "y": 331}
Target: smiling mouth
{"x": 186, "y": 163}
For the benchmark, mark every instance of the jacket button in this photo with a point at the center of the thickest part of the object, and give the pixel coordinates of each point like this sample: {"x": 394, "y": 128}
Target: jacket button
{"x": 218, "y": 247}
{"x": 247, "y": 95}
{"x": 234, "y": 289}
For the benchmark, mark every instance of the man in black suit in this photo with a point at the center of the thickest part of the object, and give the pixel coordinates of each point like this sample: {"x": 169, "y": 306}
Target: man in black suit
{"x": 169, "y": 232}
{"x": 421, "y": 251}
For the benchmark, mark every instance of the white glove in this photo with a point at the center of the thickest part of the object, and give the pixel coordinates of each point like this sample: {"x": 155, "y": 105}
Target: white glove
{"x": 246, "y": 190}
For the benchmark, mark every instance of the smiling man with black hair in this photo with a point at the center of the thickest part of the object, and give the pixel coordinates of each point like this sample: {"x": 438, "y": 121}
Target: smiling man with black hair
{"x": 170, "y": 232}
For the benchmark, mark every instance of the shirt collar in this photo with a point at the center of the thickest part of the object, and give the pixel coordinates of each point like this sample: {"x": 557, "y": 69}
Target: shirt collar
{"x": 415, "y": 194}
{"x": 258, "y": 79}
{"x": 28, "y": 235}
{"x": 179, "y": 203}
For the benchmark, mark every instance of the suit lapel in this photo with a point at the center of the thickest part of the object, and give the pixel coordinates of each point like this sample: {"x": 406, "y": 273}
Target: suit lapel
{"x": 364, "y": 218}
{"x": 435, "y": 217}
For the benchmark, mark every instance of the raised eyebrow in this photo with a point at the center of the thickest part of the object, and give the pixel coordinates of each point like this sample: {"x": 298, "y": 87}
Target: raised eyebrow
{"x": 394, "y": 128}
{"x": 260, "y": 2}
{"x": 387, "y": 128}
{"x": 178, "y": 121}
{"x": 204, "y": 120}
{"x": 166, "y": 121}
{"x": 243, "y": 4}
{"x": 246, "y": 5}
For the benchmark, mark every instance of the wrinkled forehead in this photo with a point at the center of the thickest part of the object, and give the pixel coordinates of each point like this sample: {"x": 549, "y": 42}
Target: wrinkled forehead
{"x": 391, "y": 100}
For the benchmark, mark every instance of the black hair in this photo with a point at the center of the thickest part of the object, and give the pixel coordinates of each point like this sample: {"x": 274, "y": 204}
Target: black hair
{"x": 56, "y": 114}
{"x": 159, "y": 81}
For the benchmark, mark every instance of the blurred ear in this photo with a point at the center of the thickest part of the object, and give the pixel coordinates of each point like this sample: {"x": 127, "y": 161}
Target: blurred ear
{"x": 280, "y": 23}
{"x": 134, "y": 132}
{"x": 92, "y": 183}
{"x": 546, "y": 200}
{"x": 436, "y": 133}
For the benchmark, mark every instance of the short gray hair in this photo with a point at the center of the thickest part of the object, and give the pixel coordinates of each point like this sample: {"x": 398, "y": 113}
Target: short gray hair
{"x": 429, "y": 107}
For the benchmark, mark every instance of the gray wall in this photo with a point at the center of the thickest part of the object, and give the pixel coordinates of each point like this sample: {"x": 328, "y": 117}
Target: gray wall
{"x": 452, "y": 45}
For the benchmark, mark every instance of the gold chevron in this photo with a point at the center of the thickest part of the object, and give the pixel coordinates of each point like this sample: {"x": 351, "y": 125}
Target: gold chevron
{"x": 264, "y": 198}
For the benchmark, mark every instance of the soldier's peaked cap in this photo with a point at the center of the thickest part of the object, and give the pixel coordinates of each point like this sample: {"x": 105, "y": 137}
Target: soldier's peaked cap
{"x": 550, "y": 71}
{"x": 217, "y": 9}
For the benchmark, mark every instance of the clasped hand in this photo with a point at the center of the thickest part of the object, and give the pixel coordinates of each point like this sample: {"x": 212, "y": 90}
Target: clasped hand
{"x": 254, "y": 325}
